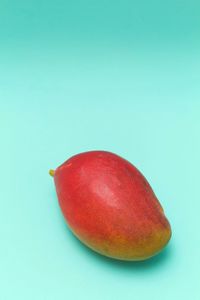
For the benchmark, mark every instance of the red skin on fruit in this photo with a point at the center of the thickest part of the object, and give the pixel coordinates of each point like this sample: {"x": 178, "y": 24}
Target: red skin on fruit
{"x": 110, "y": 206}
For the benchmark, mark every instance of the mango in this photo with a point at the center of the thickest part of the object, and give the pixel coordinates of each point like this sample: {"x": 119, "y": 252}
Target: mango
{"x": 109, "y": 206}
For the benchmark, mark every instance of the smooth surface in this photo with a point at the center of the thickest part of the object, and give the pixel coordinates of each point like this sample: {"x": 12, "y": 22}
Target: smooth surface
{"x": 110, "y": 206}
{"x": 83, "y": 75}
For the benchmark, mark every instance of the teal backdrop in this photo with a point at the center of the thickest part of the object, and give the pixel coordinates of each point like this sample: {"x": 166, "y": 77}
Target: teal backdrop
{"x": 122, "y": 76}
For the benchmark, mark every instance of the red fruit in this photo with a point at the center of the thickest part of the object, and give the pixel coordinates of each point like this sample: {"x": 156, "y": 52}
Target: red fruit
{"x": 110, "y": 206}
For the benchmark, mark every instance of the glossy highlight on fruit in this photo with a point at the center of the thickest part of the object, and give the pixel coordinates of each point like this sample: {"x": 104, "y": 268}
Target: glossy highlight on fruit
{"x": 109, "y": 205}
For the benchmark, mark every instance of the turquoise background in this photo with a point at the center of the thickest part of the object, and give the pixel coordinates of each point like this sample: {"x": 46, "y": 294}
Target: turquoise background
{"x": 122, "y": 76}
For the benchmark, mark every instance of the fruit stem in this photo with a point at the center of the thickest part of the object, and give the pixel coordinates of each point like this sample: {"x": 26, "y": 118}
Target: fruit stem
{"x": 51, "y": 172}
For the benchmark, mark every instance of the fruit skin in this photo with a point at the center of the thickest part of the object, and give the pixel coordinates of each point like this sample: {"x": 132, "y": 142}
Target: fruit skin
{"x": 110, "y": 206}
